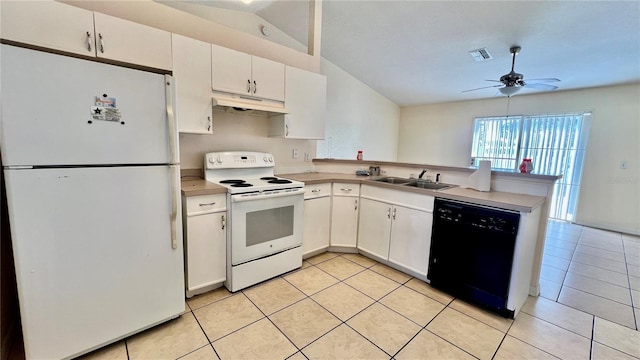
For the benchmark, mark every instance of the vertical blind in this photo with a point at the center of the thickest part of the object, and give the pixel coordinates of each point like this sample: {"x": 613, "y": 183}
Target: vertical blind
{"x": 555, "y": 143}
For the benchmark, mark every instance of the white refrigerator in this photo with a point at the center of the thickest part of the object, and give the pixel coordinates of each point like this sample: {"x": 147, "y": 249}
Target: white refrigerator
{"x": 92, "y": 177}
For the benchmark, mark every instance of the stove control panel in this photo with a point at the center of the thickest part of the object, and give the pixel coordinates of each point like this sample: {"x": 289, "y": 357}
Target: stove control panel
{"x": 238, "y": 160}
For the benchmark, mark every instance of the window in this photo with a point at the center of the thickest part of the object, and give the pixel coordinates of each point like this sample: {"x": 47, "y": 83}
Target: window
{"x": 556, "y": 143}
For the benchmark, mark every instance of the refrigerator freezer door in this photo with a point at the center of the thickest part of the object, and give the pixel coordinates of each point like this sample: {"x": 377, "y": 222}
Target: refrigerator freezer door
{"x": 49, "y": 103}
{"x": 93, "y": 255}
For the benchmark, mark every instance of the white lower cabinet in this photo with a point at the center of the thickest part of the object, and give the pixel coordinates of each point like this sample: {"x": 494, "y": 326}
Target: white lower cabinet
{"x": 411, "y": 239}
{"x": 396, "y": 226}
{"x": 344, "y": 215}
{"x": 317, "y": 218}
{"x": 375, "y": 228}
{"x": 205, "y": 236}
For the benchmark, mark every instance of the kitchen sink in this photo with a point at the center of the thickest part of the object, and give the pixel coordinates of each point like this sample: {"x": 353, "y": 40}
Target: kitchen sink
{"x": 393, "y": 180}
{"x": 428, "y": 185}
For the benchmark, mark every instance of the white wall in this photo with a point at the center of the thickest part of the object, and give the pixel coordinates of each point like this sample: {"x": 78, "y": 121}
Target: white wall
{"x": 610, "y": 197}
{"x": 358, "y": 118}
{"x": 233, "y": 131}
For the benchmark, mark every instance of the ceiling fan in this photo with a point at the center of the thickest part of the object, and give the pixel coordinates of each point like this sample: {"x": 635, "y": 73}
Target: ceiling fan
{"x": 512, "y": 82}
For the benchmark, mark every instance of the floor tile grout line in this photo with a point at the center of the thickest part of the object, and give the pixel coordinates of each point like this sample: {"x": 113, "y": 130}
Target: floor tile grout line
{"x": 536, "y": 347}
{"x": 205, "y": 334}
{"x": 600, "y": 267}
{"x": 591, "y": 277}
{"x": 275, "y": 312}
{"x": 369, "y": 340}
{"x": 380, "y": 303}
{"x": 572, "y": 261}
{"x": 560, "y": 326}
{"x": 478, "y": 320}
{"x": 599, "y": 296}
{"x": 633, "y": 310}
{"x": 616, "y": 349}
{"x": 344, "y": 322}
{"x": 593, "y": 330}
{"x": 424, "y": 328}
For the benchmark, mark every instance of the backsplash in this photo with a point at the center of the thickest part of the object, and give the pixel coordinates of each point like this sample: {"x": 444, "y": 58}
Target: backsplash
{"x": 234, "y": 131}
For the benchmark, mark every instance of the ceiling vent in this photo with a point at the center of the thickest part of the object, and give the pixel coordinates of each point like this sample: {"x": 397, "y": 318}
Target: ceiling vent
{"x": 480, "y": 54}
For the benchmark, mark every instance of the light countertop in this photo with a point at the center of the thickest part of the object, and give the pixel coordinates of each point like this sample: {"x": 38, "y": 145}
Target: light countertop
{"x": 504, "y": 200}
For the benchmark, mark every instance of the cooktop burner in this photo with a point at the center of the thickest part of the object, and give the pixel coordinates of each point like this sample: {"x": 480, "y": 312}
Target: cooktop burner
{"x": 232, "y": 181}
{"x": 279, "y": 181}
{"x": 242, "y": 184}
{"x": 269, "y": 178}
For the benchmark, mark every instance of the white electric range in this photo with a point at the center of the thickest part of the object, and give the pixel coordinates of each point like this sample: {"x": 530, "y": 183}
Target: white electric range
{"x": 265, "y": 212}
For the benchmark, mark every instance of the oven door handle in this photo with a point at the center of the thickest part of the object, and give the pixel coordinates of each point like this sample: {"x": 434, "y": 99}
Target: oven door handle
{"x": 266, "y": 197}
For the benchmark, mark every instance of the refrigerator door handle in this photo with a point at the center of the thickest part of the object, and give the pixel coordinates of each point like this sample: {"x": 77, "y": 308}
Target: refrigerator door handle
{"x": 175, "y": 199}
{"x": 172, "y": 128}
{"x": 172, "y": 125}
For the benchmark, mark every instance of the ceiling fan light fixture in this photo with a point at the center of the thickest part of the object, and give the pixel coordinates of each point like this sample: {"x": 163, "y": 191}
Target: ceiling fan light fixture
{"x": 509, "y": 90}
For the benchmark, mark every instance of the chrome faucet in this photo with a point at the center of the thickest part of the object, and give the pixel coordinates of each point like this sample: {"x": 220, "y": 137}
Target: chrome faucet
{"x": 422, "y": 173}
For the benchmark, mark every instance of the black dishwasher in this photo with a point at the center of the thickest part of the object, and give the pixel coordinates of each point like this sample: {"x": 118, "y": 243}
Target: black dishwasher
{"x": 472, "y": 252}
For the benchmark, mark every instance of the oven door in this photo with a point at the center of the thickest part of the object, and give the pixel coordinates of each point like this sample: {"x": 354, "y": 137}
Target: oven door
{"x": 265, "y": 225}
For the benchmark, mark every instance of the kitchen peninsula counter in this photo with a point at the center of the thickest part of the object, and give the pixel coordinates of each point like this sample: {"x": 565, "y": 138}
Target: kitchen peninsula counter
{"x": 504, "y": 200}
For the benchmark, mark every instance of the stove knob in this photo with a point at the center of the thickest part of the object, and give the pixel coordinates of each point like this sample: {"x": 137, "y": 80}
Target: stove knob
{"x": 211, "y": 160}
{"x": 264, "y": 159}
{"x": 219, "y": 160}
{"x": 270, "y": 159}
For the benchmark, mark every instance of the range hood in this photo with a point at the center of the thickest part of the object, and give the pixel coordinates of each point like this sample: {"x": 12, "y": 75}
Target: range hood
{"x": 251, "y": 105}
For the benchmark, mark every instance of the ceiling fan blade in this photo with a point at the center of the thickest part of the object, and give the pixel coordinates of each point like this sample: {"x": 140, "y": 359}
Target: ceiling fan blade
{"x": 484, "y": 87}
{"x": 545, "y": 80}
{"x": 540, "y": 86}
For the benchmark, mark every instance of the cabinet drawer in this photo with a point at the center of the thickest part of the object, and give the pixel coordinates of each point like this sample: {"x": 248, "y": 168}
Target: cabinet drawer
{"x": 317, "y": 190}
{"x": 346, "y": 189}
{"x": 206, "y": 203}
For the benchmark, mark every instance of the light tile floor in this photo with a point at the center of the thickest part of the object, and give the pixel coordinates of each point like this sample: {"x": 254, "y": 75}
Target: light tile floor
{"x": 346, "y": 306}
{"x": 593, "y": 270}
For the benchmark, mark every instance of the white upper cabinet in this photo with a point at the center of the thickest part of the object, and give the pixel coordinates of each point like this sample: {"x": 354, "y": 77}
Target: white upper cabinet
{"x": 243, "y": 74}
{"x": 192, "y": 77}
{"x": 67, "y": 28}
{"x": 133, "y": 43}
{"x": 306, "y": 101}
{"x": 268, "y": 79}
{"x": 49, "y": 24}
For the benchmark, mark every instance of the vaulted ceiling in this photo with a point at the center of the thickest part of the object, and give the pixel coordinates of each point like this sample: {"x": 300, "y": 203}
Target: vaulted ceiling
{"x": 417, "y": 52}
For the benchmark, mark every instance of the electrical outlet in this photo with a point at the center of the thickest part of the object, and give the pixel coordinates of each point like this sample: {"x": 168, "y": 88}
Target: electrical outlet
{"x": 307, "y": 157}
{"x": 472, "y": 161}
{"x": 294, "y": 153}
{"x": 383, "y": 172}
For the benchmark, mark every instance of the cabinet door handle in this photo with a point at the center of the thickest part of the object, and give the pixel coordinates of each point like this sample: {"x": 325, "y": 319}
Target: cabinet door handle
{"x": 209, "y": 204}
{"x": 101, "y": 43}
{"x": 255, "y": 87}
{"x": 388, "y": 213}
{"x": 248, "y": 86}
{"x": 346, "y": 189}
{"x": 356, "y": 205}
{"x": 209, "y": 119}
{"x": 394, "y": 213}
{"x": 88, "y": 41}
{"x": 315, "y": 190}
{"x": 286, "y": 130}
{"x": 224, "y": 222}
